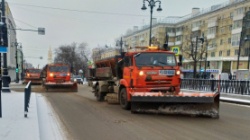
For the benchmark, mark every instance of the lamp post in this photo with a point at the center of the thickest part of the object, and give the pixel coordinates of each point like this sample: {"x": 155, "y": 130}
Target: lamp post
{"x": 202, "y": 39}
{"x": 151, "y": 4}
{"x": 120, "y": 42}
{"x": 22, "y": 72}
{"x": 17, "y": 68}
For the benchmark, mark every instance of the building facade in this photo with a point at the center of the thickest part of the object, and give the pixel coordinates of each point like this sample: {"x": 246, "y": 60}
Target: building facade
{"x": 12, "y": 49}
{"x": 219, "y": 25}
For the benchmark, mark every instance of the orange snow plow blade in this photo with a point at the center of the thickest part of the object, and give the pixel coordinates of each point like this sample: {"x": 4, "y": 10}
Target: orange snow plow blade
{"x": 195, "y": 104}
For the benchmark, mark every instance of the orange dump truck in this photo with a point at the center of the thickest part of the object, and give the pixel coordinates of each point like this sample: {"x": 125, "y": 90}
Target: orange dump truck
{"x": 33, "y": 75}
{"x": 149, "y": 80}
{"x": 57, "y": 76}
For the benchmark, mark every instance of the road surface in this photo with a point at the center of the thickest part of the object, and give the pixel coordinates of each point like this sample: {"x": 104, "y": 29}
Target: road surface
{"x": 85, "y": 118}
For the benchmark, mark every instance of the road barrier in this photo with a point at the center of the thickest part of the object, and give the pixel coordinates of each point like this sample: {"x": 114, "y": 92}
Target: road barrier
{"x": 224, "y": 86}
{"x": 27, "y": 92}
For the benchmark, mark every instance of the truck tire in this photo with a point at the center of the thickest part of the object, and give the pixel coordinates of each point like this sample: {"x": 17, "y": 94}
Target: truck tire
{"x": 99, "y": 95}
{"x": 125, "y": 104}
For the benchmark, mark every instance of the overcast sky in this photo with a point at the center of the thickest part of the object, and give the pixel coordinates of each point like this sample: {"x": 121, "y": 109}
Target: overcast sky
{"x": 96, "y": 22}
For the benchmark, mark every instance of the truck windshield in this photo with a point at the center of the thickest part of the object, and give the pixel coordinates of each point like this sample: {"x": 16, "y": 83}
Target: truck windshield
{"x": 34, "y": 70}
{"x": 58, "y": 69}
{"x": 155, "y": 59}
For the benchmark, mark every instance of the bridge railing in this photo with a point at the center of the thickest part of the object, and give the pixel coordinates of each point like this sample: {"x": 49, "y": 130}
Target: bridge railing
{"x": 224, "y": 86}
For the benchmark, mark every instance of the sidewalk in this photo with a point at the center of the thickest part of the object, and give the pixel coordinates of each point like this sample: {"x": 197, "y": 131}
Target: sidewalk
{"x": 41, "y": 123}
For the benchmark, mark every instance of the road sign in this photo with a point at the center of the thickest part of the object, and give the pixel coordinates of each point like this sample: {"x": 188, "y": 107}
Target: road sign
{"x": 176, "y": 50}
{"x": 41, "y": 31}
{"x": 3, "y": 49}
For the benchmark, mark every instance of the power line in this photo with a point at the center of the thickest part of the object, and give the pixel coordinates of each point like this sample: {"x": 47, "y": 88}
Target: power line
{"x": 24, "y": 22}
{"x": 80, "y": 11}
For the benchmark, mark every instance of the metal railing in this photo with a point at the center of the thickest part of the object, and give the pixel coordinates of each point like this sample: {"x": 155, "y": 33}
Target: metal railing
{"x": 27, "y": 92}
{"x": 224, "y": 86}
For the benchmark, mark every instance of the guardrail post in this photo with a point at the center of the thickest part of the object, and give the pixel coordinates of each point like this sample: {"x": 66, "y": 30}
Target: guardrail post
{"x": 27, "y": 92}
{"x": 212, "y": 84}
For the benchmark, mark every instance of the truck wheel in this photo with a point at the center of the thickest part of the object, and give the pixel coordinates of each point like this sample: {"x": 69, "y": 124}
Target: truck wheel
{"x": 123, "y": 99}
{"x": 98, "y": 94}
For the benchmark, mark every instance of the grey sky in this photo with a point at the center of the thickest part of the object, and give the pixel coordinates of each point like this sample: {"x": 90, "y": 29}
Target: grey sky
{"x": 94, "y": 21}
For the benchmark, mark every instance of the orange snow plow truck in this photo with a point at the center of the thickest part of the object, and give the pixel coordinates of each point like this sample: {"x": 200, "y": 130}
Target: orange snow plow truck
{"x": 33, "y": 75}
{"x": 148, "y": 80}
{"x": 57, "y": 76}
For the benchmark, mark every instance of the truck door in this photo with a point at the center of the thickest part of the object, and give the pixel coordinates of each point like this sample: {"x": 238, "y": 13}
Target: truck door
{"x": 127, "y": 69}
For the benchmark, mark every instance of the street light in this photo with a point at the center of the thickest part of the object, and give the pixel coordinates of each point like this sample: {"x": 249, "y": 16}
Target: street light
{"x": 22, "y": 73}
{"x": 151, "y": 4}
{"x": 202, "y": 42}
{"x": 120, "y": 42}
{"x": 17, "y": 69}
{"x": 194, "y": 52}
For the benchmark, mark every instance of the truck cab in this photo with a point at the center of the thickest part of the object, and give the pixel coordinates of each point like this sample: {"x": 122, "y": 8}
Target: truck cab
{"x": 150, "y": 71}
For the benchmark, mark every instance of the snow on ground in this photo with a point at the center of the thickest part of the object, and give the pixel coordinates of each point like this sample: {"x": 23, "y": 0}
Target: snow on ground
{"x": 41, "y": 123}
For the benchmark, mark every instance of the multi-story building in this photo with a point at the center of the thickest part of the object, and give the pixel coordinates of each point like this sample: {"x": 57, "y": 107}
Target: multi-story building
{"x": 221, "y": 27}
{"x": 12, "y": 49}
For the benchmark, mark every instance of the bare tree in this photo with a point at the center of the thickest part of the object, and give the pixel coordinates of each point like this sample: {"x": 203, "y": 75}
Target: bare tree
{"x": 195, "y": 50}
{"x": 74, "y": 55}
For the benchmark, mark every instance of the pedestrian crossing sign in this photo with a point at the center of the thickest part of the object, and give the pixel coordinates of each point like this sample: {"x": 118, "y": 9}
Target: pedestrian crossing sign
{"x": 176, "y": 50}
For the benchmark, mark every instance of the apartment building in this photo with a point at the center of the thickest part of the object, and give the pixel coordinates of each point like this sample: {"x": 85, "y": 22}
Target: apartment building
{"x": 222, "y": 27}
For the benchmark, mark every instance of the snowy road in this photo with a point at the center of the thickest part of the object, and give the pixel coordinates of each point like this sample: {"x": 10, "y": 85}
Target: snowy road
{"x": 85, "y": 118}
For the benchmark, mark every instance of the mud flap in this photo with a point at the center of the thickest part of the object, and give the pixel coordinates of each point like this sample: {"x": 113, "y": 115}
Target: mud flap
{"x": 194, "y": 106}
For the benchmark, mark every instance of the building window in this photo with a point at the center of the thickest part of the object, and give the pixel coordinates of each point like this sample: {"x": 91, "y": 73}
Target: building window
{"x": 196, "y": 24}
{"x": 231, "y": 15}
{"x": 230, "y": 28}
{"x": 237, "y": 24}
{"x": 178, "y": 38}
{"x": 212, "y": 30}
{"x": 229, "y": 40}
{"x": 228, "y": 52}
{"x": 170, "y": 30}
{"x": 236, "y": 39}
{"x": 212, "y": 54}
{"x": 220, "y": 53}
{"x": 236, "y": 52}
{"x": 222, "y": 30}
{"x": 221, "y": 42}
{"x": 240, "y": 11}
{"x": 246, "y": 51}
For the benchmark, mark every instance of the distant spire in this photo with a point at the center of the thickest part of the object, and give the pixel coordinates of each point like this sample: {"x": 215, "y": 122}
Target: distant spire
{"x": 50, "y": 56}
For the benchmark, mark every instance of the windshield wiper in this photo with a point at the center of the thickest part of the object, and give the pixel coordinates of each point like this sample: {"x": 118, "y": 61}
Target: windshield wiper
{"x": 137, "y": 54}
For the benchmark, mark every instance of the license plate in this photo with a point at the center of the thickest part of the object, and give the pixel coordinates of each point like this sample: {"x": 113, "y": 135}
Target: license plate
{"x": 167, "y": 72}
{"x": 62, "y": 74}
{"x": 59, "y": 81}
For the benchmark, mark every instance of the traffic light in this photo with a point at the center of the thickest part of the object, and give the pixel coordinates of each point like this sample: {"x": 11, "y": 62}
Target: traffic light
{"x": 17, "y": 70}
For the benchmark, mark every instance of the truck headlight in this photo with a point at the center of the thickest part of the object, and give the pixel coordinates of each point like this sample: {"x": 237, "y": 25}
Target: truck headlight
{"x": 178, "y": 72}
{"x": 141, "y": 73}
{"x": 51, "y": 74}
